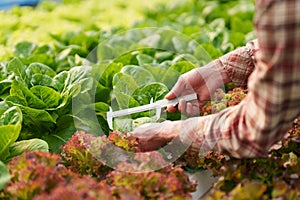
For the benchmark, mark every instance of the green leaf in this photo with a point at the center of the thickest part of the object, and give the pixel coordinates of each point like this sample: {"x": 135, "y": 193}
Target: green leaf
{"x": 15, "y": 100}
{"x": 4, "y": 175}
{"x": 217, "y": 25}
{"x": 81, "y": 102}
{"x": 100, "y": 107}
{"x": 24, "y": 49}
{"x": 23, "y": 94}
{"x": 183, "y": 67}
{"x": 10, "y": 127}
{"x": 125, "y": 101}
{"x": 240, "y": 25}
{"x": 71, "y": 50}
{"x": 157, "y": 71}
{"x": 212, "y": 51}
{"x": 237, "y": 39}
{"x": 202, "y": 55}
{"x": 9, "y": 134}
{"x": 45, "y": 58}
{"x": 170, "y": 78}
{"x": 33, "y": 145}
{"x": 185, "y": 57}
{"x": 17, "y": 68}
{"x": 41, "y": 79}
{"x": 36, "y": 115}
{"x": 108, "y": 74}
{"x": 65, "y": 129}
{"x": 88, "y": 121}
{"x": 127, "y": 59}
{"x": 58, "y": 81}
{"x": 42, "y": 53}
{"x": 11, "y": 116}
{"x": 142, "y": 120}
{"x": 5, "y": 85}
{"x": 78, "y": 76}
{"x": 86, "y": 85}
{"x": 104, "y": 52}
{"x": 102, "y": 93}
{"x": 144, "y": 59}
{"x": 155, "y": 91}
{"x": 3, "y": 107}
{"x": 141, "y": 76}
{"x": 39, "y": 120}
{"x": 161, "y": 56}
{"x": 123, "y": 124}
{"x": 152, "y": 40}
{"x": 124, "y": 83}
{"x": 179, "y": 45}
{"x": 48, "y": 95}
{"x": 55, "y": 142}
{"x": 103, "y": 124}
{"x": 249, "y": 190}
{"x": 39, "y": 68}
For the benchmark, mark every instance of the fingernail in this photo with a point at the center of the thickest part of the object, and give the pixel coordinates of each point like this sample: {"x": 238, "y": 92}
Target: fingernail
{"x": 175, "y": 105}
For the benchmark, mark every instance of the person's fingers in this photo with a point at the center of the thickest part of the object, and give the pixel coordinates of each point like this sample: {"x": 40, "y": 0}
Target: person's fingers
{"x": 180, "y": 88}
{"x": 151, "y": 144}
{"x": 170, "y": 95}
{"x": 192, "y": 109}
{"x": 146, "y": 130}
{"x": 204, "y": 97}
{"x": 177, "y": 89}
{"x": 172, "y": 109}
{"x": 182, "y": 106}
{"x": 202, "y": 103}
{"x": 189, "y": 109}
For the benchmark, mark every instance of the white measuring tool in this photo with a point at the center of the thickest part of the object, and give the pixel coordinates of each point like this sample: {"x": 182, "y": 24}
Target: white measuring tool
{"x": 158, "y": 105}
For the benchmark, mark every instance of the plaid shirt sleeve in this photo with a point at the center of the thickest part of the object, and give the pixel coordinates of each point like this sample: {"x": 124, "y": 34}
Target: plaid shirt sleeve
{"x": 273, "y": 100}
{"x": 240, "y": 63}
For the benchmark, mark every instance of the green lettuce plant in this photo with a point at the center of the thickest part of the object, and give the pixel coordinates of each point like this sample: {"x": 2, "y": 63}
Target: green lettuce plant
{"x": 10, "y": 127}
{"x": 4, "y": 175}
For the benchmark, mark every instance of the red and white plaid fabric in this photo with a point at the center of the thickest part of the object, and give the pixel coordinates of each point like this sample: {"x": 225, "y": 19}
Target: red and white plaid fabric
{"x": 270, "y": 67}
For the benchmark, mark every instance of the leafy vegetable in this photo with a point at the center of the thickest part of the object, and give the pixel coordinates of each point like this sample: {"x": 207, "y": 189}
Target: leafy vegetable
{"x": 4, "y": 175}
{"x": 139, "y": 74}
{"x": 155, "y": 91}
{"x": 41, "y": 175}
{"x": 78, "y": 158}
{"x": 168, "y": 183}
{"x": 10, "y": 127}
{"x": 33, "y": 145}
{"x": 222, "y": 100}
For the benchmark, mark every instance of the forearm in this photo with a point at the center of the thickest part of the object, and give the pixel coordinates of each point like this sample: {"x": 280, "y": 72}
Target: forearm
{"x": 245, "y": 130}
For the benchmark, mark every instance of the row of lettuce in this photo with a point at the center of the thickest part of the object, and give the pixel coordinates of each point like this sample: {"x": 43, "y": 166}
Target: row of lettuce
{"x": 84, "y": 169}
{"x": 67, "y": 80}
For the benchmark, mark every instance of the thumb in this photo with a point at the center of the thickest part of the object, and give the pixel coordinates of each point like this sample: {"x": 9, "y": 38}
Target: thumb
{"x": 170, "y": 95}
{"x": 175, "y": 92}
{"x": 177, "y": 89}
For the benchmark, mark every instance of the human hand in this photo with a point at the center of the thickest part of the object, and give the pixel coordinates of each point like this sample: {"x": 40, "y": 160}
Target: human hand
{"x": 203, "y": 81}
{"x": 152, "y": 136}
